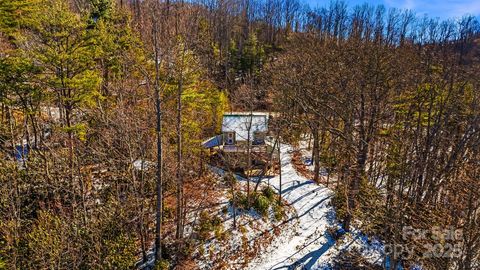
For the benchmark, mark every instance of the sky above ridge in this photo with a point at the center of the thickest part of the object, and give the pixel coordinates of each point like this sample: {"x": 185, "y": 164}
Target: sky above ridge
{"x": 433, "y": 8}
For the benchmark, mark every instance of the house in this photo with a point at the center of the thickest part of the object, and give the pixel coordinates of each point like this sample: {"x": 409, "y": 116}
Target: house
{"x": 239, "y": 128}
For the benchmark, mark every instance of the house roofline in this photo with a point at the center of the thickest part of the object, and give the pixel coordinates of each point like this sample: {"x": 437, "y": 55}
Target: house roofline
{"x": 250, "y": 113}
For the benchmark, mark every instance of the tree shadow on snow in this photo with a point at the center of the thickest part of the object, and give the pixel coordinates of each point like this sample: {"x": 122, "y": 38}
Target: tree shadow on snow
{"x": 297, "y": 185}
{"x": 310, "y": 209}
{"x": 308, "y": 261}
{"x": 306, "y": 194}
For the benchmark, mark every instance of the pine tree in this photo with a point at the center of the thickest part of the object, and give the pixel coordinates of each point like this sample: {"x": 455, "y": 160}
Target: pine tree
{"x": 63, "y": 49}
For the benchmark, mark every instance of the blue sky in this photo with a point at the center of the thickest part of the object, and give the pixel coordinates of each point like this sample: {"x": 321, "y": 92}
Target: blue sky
{"x": 433, "y": 8}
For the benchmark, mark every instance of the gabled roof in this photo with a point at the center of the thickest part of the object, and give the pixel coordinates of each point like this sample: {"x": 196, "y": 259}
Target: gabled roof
{"x": 239, "y": 122}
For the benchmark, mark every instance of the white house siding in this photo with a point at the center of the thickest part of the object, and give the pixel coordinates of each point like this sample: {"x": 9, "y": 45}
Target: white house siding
{"x": 240, "y": 122}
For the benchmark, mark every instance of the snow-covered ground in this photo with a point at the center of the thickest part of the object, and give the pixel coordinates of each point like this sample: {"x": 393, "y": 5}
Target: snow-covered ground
{"x": 306, "y": 244}
{"x": 252, "y": 234}
{"x": 301, "y": 241}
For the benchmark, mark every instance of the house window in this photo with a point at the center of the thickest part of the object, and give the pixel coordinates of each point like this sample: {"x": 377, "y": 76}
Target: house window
{"x": 229, "y": 138}
{"x": 258, "y": 138}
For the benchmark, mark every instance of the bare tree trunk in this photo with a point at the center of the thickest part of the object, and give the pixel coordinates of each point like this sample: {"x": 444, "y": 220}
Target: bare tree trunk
{"x": 159, "y": 180}
{"x": 280, "y": 174}
{"x": 179, "y": 232}
{"x": 249, "y": 158}
{"x": 234, "y": 205}
{"x": 267, "y": 164}
{"x": 316, "y": 160}
{"x": 71, "y": 157}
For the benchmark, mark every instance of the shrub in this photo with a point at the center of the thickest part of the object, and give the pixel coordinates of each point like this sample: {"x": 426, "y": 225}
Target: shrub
{"x": 216, "y": 221}
{"x": 242, "y": 229}
{"x": 188, "y": 248}
{"x": 220, "y": 234}
{"x": 229, "y": 180}
{"x": 204, "y": 225}
{"x": 278, "y": 212}
{"x": 201, "y": 250}
{"x": 261, "y": 204}
{"x": 240, "y": 200}
{"x": 162, "y": 265}
{"x": 119, "y": 252}
{"x": 207, "y": 224}
{"x": 269, "y": 193}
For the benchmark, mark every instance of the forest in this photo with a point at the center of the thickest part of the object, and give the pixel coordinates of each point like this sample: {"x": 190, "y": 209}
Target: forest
{"x": 373, "y": 148}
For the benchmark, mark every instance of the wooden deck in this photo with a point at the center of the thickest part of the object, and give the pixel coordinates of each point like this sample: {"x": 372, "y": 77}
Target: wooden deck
{"x": 244, "y": 149}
